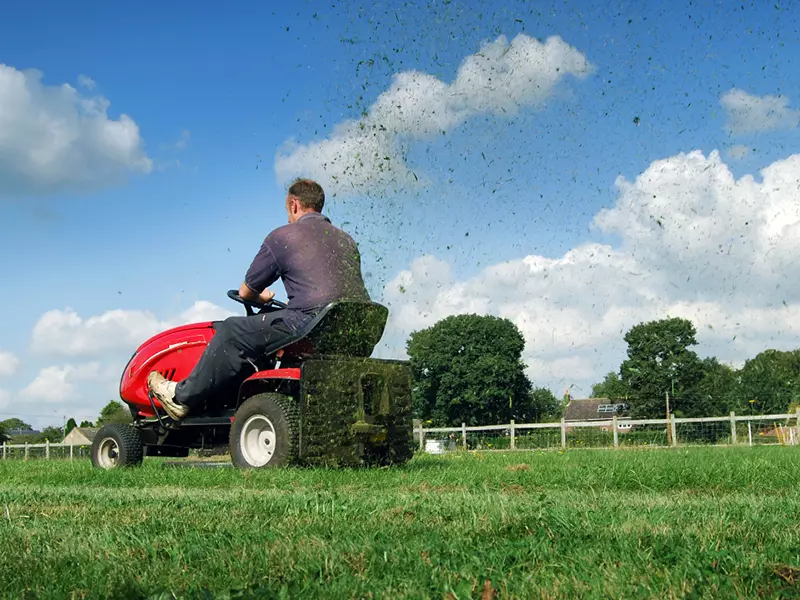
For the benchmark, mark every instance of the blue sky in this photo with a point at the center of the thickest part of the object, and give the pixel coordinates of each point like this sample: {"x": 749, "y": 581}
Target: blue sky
{"x": 222, "y": 90}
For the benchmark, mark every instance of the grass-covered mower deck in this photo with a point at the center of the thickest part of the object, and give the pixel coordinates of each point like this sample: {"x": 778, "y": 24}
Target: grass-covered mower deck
{"x": 317, "y": 399}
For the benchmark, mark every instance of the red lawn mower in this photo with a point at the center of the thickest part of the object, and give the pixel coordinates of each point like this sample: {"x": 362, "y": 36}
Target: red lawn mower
{"x": 315, "y": 399}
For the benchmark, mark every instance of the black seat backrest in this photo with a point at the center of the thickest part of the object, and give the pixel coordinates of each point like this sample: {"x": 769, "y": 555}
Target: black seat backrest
{"x": 343, "y": 328}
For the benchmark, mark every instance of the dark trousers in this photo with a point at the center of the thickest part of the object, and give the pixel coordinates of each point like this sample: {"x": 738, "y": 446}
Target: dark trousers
{"x": 224, "y": 363}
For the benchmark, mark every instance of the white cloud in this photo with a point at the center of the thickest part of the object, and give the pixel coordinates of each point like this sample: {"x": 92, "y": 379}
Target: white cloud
{"x": 5, "y": 400}
{"x": 748, "y": 113}
{"x": 57, "y": 384}
{"x": 501, "y": 78}
{"x": 738, "y": 151}
{"x": 54, "y": 139}
{"x": 709, "y": 234}
{"x": 64, "y": 332}
{"x": 696, "y": 243}
{"x": 9, "y": 363}
{"x": 86, "y": 81}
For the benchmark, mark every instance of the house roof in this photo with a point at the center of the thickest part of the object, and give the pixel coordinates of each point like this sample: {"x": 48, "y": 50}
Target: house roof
{"x": 593, "y": 409}
{"x": 87, "y": 432}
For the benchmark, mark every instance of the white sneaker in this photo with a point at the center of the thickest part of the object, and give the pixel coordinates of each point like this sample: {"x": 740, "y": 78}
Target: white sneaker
{"x": 164, "y": 390}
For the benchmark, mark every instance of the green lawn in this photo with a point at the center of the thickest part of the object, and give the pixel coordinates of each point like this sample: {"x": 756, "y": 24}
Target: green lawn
{"x": 696, "y": 523}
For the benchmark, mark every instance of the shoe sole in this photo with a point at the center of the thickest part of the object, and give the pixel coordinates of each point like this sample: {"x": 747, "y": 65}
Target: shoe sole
{"x": 167, "y": 406}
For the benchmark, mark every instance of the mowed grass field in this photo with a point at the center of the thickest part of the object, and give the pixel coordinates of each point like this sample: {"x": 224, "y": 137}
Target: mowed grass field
{"x": 669, "y": 523}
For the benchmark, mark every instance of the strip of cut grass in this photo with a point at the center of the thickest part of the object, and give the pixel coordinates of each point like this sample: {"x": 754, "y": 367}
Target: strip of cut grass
{"x": 698, "y": 523}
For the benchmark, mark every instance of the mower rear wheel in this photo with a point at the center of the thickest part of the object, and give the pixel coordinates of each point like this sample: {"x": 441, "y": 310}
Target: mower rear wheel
{"x": 264, "y": 433}
{"x": 117, "y": 445}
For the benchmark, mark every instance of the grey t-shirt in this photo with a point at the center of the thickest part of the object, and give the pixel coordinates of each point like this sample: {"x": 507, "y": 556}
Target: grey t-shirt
{"x": 317, "y": 261}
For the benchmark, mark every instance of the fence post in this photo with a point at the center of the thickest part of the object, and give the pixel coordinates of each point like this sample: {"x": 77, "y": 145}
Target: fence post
{"x": 464, "y": 434}
{"x": 4, "y": 450}
{"x": 797, "y": 423}
{"x": 47, "y": 449}
{"x": 616, "y": 433}
{"x": 513, "y": 441}
{"x": 563, "y": 432}
{"x": 674, "y": 430}
{"x": 421, "y": 438}
{"x": 70, "y": 451}
{"x": 26, "y": 450}
{"x": 733, "y": 428}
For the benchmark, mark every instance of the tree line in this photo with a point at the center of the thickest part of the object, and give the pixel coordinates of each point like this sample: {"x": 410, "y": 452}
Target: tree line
{"x": 661, "y": 367}
{"x": 468, "y": 368}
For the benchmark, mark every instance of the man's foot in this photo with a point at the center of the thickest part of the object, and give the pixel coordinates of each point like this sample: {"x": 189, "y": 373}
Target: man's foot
{"x": 164, "y": 390}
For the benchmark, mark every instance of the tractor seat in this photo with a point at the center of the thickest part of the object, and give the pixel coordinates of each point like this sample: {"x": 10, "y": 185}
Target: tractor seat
{"x": 343, "y": 328}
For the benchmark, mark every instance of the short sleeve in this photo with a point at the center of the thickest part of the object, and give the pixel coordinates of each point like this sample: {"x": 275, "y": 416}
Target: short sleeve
{"x": 264, "y": 270}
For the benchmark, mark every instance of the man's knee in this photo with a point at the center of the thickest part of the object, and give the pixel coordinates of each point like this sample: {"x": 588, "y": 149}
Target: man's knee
{"x": 228, "y": 330}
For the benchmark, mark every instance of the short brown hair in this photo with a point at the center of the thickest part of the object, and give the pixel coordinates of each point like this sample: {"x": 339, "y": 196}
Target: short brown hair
{"x": 309, "y": 193}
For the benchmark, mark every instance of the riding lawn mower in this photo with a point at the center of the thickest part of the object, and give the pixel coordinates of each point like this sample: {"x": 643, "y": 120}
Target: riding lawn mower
{"x": 317, "y": 398}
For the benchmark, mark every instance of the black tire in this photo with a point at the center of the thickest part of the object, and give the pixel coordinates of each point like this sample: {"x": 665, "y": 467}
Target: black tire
{"x": 117, "y": 445}
{"x": 266, "y": 412}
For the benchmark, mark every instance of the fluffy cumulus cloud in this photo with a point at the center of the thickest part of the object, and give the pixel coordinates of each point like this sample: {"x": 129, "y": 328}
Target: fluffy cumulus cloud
{"x": 66, "y": 333}
{"x": 748, "y": 113}
{"x": 57, "y": 384}
{"x": 53, "y": 138}
{"x": 9, "y": 363}
{"x": 695, "y": 243}
{"x": 501, "y": 78}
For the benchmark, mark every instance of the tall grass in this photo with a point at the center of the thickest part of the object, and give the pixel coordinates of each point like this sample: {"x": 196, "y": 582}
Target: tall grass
{"x": 699, "y": 523}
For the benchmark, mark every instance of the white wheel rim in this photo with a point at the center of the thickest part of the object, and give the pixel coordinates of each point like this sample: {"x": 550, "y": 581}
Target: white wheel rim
{"x": 108, "y": 453}
{"x": 257, "y": 440}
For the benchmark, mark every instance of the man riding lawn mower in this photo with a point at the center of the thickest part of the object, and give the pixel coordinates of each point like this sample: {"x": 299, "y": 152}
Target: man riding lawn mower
{"x": 287, "y": 383}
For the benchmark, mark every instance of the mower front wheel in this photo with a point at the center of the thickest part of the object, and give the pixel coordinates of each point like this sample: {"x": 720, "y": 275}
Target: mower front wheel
{"x": 264, "y": 433}
{"x": 117, "y": 445}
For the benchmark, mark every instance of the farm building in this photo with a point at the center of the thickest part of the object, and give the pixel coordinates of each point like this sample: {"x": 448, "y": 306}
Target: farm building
{"x": 81, "y": 436}
{"x": 597, "y": 409}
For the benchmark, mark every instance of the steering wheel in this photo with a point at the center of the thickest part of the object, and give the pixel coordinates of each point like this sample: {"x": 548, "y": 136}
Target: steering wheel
{"x": 249, "y": 305}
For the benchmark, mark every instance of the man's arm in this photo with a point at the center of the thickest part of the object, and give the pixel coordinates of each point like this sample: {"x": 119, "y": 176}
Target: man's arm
{"x": 248, "y": 294}
{"x": 263, "y": 271}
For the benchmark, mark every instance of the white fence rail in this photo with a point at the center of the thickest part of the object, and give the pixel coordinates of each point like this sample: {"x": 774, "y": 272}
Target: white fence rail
{"x": 45, "y": 450}
{"x": 751, "y": 430}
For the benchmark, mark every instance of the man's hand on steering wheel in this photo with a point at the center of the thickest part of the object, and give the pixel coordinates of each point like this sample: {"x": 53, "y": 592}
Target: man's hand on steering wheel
{"x": 266, "y": 296}
{"x": 262, "y": 302}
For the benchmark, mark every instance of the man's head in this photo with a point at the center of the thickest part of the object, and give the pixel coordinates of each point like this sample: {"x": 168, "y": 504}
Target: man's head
{"x": 304, "y": 196}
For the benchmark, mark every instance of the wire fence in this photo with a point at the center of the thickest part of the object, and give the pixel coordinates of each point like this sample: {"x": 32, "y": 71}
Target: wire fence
{"x": 731, "y": 430}
{"x": 44, "y": 451}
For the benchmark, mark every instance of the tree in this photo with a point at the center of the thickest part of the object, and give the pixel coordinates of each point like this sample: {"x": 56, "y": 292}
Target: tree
{"x": 659, "y": 361}
{"x": 771, "y": 380}
{"x": 715, "y": 393}
{"x": 468, "y": 368}
{"x": 86, "y": 424}
{"x": 4, "y": 437}
{"x": 52, "y": 434}
{"x": 612, "y": 387}
{"x": 71, "y": 424}
{"x": 544, "y": 407}
{"x": 12, "y": 425}
{"x": 114, "y": 412}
